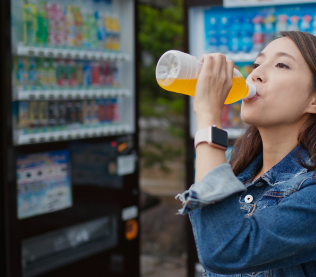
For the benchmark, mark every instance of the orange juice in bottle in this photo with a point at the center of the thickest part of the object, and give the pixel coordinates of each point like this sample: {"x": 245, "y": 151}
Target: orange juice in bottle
{"x": 178, "y": 72}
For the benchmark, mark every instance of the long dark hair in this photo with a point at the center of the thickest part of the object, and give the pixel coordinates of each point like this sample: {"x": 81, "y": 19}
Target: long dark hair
{"x": 249, "y": 144}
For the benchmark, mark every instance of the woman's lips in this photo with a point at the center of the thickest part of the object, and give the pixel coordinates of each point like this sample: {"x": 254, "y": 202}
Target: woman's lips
{"x": 252, "y": 98}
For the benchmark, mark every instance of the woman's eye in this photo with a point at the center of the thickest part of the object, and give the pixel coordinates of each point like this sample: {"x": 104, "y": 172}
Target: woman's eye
{"x": 282, "y": 65}
{"x": 255, "y": 65}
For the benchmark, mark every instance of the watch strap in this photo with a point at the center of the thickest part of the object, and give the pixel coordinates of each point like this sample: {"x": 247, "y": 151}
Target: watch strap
{"x": 203, "y": 135}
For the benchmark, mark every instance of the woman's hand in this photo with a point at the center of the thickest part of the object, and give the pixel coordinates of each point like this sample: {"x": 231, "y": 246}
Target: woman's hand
{"x": 212, "y": 88}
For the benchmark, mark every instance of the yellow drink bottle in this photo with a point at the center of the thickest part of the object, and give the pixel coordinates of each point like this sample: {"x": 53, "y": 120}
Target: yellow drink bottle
{"x": 178, "y": 72}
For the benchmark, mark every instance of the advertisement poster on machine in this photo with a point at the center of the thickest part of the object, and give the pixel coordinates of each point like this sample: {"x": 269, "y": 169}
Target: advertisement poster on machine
{"x": 248, "y": 3}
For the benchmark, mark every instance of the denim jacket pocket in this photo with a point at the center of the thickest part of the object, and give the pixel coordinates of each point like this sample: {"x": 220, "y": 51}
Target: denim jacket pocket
{"x": 272, "y": 198}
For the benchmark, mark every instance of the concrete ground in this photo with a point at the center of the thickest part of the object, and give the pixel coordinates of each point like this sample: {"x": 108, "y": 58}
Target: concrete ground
{"x": 163, "y": 240}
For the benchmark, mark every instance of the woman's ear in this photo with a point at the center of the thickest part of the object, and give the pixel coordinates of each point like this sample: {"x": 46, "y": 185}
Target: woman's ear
{"x": 312, "y": 105}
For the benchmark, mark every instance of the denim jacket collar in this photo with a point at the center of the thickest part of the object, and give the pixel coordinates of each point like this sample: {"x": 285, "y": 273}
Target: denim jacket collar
{"x": 286, "y": 169}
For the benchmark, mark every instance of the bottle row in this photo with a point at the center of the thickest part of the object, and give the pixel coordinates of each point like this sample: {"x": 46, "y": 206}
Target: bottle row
{"x": 50, "y": 116}
{"x": 47, "y": 73}
{"x": 86, "y": 25}
{"x": 246, "y": 30}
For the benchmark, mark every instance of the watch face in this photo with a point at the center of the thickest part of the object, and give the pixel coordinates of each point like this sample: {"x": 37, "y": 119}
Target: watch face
{"x": 219, "y": 137}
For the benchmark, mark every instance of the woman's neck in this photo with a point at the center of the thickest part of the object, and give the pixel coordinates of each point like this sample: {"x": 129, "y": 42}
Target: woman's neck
{"x": 277, "y": 142}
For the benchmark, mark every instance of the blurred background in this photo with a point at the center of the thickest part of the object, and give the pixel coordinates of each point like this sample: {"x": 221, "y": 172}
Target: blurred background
{"x": 93, "y": 150}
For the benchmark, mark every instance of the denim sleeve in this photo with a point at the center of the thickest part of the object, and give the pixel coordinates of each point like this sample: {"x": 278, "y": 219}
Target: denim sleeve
{"x": 228, "y": 242}
{"x": 218, "y": 184}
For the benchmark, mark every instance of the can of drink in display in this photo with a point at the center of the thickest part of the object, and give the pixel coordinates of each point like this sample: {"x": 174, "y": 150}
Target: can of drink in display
{"x": 62, "y": 112}
{"x": 109, "y": 112}
{"x": 87, "y": 75}
{"x": 33, "y": 114}
{"x": 24, "y": 115}
{"x": 52, "y": 113}
{"x": 109, "y": 74}
{"x": 61, "y": 73}
{"x": 79, "y": 111}
{"x": 79, "y": 73}
{"x": 102, "y": 110}
{"x": 86, "y": 112}
{"x": 71, "y": 73}
{"x": 43, "y": 113}
{"x": 102, "y": 78}
{"x": 70, "y": 112}
{"x": 94, "y": 106}
{"x": 95, "y": 71}
{"x": 115, "y": 111}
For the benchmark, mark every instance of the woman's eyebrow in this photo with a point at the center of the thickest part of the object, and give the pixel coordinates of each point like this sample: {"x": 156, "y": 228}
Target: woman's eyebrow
{"x": 278, "y": 54}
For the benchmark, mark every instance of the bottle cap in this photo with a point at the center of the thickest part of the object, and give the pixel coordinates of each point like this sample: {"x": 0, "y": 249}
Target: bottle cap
{"x": 252, "y": 90}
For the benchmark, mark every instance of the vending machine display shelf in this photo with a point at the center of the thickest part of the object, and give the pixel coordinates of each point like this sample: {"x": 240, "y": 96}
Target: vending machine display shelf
{"x": 24, "y": 95}
{"x": 21, "y": 139}
{"x": 32, "y": 51}
{"x": 241, "y": 57}
{"x": 234, "y": 133}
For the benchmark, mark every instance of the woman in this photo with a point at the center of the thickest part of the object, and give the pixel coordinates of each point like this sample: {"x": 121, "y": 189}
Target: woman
{"x": 262, "y": 222}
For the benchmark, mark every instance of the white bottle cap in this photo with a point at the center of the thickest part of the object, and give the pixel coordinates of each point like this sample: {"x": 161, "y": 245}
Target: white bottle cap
{"x": 252, "y": 90}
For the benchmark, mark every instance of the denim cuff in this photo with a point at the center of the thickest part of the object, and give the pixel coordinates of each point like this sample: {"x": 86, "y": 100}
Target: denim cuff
{"x": 217, "y": 185}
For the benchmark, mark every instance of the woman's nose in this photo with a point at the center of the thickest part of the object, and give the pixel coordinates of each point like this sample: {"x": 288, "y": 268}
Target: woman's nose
{"x": 258, "y": 76}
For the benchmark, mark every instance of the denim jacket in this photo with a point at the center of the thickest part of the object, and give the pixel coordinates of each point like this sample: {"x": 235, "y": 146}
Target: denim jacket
{"x": 265, "y": 227}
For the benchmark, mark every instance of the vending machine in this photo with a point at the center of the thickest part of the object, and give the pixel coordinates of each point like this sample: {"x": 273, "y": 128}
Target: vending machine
{"x": 237, "y": 29}
{"x": 69, "y": 194}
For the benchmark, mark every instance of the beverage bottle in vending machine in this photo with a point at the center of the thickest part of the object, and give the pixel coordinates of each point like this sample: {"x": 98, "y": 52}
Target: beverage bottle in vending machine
{"x": 78, "y": 26}
{"x": 178, "y": 72}
{"x": 87, "y": 75}
{"x": 306, "y": 23}
{"x": 70, "y": 27}
{"x": 100, "y": 30}
{"x": 29, "y": 23}
{"x": 281, "y": 24}
{"x": 258, "y": 36}
{"x": 42, "y": 24}
{"x": 61, "y": 73}
{"x": 86, "y": 29}
{"x": 95, "y": 73}
{"x": 22, "y": 75}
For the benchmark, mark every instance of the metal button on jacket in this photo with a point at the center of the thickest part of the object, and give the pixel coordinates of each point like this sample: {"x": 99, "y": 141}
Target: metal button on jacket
{"x": 248, "y": 198}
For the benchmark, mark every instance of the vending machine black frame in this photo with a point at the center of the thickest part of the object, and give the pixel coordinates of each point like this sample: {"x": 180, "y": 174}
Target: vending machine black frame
{"x": 12, "y": 230}
{"x": 189, "y": 141}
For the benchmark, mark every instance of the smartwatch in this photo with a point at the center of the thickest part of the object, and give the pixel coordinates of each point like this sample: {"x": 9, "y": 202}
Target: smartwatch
{"x": 213, "y": 136}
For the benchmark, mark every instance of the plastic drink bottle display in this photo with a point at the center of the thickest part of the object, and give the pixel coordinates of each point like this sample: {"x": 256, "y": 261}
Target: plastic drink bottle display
{"x": 178, "y": 72}
{"x": 258, "y": 36}
{"x": 269, "y": 27}
{"x": 306, "y": 23}
{"x": 70, "y": 27}
{"x": 282, "y": 23}
{"x": 78, "y": 26}
{"x": 42, "y": 24}
{"x": 29, "y": 24}
{"x": 294, "y": 23}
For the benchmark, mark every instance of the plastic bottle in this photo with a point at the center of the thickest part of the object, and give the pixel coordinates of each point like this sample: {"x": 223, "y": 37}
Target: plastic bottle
{"x": 306, "y": 23}
{"x": 282, "y": 23}
{"x": 178, "y": 72}
{"x": 78, "y": 26}
{"x": 294, "y": 23}
{"x": 258, "y": 36}
{"x": 42, "y": 24}
{"x": 29, "y": 23}
{"x": 70, "y": 27}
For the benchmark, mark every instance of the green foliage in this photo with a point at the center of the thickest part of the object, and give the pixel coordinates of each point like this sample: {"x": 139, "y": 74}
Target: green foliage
{"x": 160, "y": 30}
{"x": 159, "y": 154}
